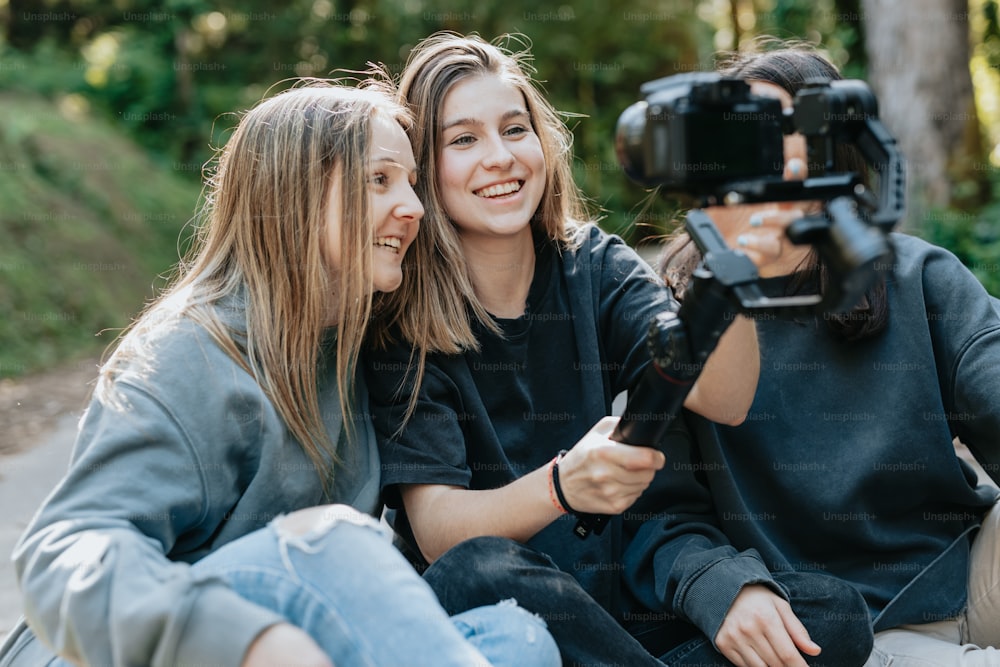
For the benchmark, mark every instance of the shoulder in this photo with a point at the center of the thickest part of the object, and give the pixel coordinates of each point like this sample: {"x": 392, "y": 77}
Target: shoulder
{"x": 937, "y": 270}
{"x": 601, "y": 253}
{"x": 589, "y": 238}
{"x": 179, "y": 364}
{"x": 933, "y": 288}
{"x": 914, "y": 254}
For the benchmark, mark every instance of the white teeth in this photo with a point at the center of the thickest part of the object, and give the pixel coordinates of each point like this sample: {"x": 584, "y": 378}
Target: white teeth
{"x": 389, "y": 242}
{"x": 498, "y": 190}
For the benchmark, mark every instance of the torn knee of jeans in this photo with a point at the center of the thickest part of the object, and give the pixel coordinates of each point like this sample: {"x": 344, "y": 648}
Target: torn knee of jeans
{"x": 315, "y": 522}
{"x": 511, "y": 603}
{"x": 304, "y": 529}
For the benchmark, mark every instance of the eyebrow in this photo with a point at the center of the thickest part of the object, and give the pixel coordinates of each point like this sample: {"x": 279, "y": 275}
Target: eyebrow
{"x": 393, "y": 162}
{"x": 513, "y": 113}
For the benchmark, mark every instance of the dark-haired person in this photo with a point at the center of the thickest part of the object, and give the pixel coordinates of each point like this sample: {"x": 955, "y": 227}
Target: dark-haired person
{"x": 845, "y": 469}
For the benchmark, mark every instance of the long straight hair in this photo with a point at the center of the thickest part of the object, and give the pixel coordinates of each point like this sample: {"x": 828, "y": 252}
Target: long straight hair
{"x": 433, "y": 68}
{"x": 262, "y": 238}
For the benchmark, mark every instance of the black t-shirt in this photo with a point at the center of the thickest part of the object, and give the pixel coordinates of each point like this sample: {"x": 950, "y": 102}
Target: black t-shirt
{"x": 527, "y": 380}
{"x": 486, "y": 418}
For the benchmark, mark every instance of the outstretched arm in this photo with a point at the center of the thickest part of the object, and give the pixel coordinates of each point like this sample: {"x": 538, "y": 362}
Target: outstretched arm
{"x": 597, "y": 475}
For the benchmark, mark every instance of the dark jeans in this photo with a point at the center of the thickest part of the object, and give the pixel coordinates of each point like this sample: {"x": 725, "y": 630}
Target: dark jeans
{"x": 833, "y": 612}
{"x": 485, "y": 570}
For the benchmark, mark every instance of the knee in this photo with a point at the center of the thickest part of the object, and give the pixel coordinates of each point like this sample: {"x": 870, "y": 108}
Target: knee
{"x": 523, "y": 636}
{"x": 490, "y": 558}
{"x": 319, "y": 519}
{"x": 483, "y": 570}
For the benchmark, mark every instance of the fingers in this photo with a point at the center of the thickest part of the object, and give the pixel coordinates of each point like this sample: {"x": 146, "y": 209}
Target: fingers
{"x": 797, "y": 631}
{"x": 795, "y": 170}
{"x": 627, "y": 457}
{"x": 764, "y": 245}
{"x": 602, "y": 476}
{"x": 763, "y": 238}
{"x": 756, "y": 632}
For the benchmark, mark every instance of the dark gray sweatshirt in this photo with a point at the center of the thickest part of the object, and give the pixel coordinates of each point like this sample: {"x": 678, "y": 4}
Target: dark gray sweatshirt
{"x": 845, "y": 464}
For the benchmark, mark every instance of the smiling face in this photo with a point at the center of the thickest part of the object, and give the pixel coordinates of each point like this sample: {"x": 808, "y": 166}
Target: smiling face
{"x": 491, "y": 169}
{"x": 393, "y": 205}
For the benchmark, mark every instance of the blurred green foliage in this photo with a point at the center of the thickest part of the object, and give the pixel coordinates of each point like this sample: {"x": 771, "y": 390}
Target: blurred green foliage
{"x": 87, "y": 223}
{"x": 169, "y": 74}
{"x": 974, "y": 236}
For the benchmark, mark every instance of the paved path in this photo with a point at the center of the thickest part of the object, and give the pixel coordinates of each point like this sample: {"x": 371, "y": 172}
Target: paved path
{"x": 26, "y": 478}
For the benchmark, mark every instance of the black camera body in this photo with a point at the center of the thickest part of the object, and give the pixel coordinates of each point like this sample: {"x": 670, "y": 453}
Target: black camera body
{"x": 694, "y": 132}
{"x": 709, "y": 137}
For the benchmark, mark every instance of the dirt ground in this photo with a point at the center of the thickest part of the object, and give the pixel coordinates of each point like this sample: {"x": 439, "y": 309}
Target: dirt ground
{"x": 30, "y": 405}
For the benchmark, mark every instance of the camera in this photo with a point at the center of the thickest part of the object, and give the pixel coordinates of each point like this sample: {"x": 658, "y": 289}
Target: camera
{"x": 711, "y": 138}
{"x": 695, "y": 132}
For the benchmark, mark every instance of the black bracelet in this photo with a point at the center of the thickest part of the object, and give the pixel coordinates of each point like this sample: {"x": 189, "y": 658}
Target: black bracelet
{"x": 555, "y": 483}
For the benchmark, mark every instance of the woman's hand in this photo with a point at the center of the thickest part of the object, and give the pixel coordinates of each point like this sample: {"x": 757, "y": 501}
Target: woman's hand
{"x": 602, "y": 476}
{"x": 761, "y": 629}
{"x": 759, "y": 232}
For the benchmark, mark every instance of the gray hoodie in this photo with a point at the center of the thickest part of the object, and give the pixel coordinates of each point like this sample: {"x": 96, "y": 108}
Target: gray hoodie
{"x": 190, "y": 455}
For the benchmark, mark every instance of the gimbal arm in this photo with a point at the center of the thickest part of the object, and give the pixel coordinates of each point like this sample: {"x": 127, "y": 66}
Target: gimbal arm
{"x": 680, "y": 343}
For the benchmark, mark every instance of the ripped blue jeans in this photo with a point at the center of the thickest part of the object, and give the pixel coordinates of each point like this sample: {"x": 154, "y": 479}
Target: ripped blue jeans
{"x": 335, "y": 574}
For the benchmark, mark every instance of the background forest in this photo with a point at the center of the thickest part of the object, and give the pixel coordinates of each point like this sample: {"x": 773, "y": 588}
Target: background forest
{"x": 111, "y": 108}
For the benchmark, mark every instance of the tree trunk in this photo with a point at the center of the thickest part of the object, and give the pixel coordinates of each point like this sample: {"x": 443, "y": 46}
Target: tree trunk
{"x": 918, "y": 57}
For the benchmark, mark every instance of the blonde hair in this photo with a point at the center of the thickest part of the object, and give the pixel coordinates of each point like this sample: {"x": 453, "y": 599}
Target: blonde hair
{"x": 262, "y": 238}
{"x": 432, "y": 69}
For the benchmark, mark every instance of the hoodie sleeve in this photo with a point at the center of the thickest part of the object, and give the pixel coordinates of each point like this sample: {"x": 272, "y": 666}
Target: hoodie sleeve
{"x": 679, "y": 560}
{"x": 964, "y": 323}
{"x": 98, "y": 586}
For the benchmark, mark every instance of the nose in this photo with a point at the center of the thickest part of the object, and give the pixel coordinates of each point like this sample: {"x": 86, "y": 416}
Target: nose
{"x": 498, "y": 155}
{"x": 409, "y": 208}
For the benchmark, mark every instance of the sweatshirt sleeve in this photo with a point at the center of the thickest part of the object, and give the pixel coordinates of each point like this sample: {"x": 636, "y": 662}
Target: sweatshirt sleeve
{"x": 679, "y": 560}
{"x": 965, "y": 328}
{"x": 98, "y": 585}
{"x": 629, "y": 296}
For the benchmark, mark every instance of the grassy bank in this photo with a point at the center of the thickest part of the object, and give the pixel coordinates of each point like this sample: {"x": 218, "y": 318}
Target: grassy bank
{"x": 87, "y": 224}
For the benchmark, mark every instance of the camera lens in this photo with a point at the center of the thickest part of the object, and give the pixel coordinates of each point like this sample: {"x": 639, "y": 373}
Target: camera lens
{"x": 629, "y": 143}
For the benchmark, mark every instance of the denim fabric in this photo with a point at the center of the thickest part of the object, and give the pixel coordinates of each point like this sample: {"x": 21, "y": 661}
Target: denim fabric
{"x": 484, "y": 570}
{"x": 834, "y": 613}
{"x": 355, "y": 594}
{"x": 360, "y": 600}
